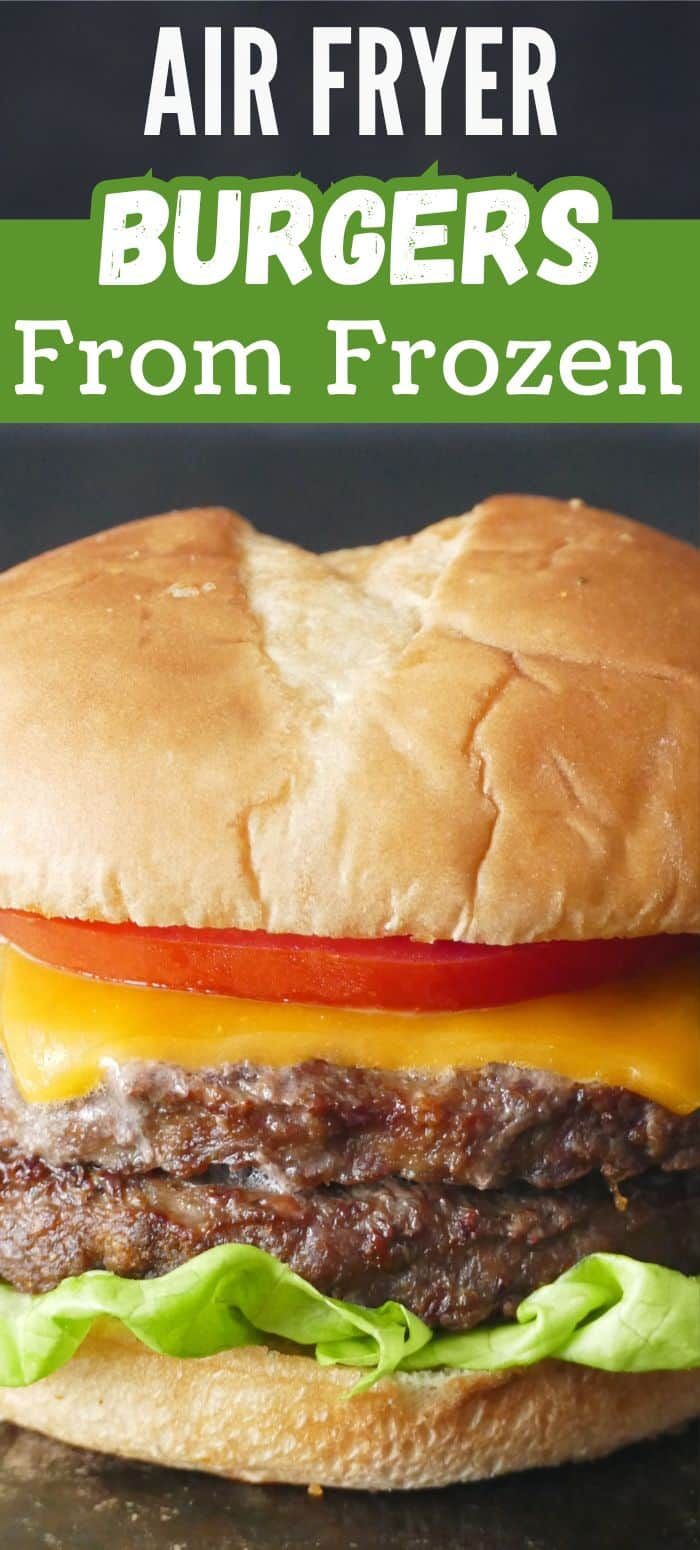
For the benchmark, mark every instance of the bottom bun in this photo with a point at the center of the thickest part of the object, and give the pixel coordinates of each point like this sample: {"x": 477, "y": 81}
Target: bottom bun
{"x": 260, "y": 1415}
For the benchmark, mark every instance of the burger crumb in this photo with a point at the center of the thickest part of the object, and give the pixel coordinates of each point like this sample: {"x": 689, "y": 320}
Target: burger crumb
{"x": 314, "y": 1490}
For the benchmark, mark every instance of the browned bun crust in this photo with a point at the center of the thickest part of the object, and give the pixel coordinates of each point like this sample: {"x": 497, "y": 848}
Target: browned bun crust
{"x": 486, "y": 732}
{"x": 260, "y": 1415}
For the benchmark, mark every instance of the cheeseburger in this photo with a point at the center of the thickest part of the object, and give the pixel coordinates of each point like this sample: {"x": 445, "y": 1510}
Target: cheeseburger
{"x": 349, "y": 1019}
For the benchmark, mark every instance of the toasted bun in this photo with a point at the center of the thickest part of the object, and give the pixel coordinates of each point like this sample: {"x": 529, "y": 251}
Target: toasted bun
{"x": 259, "y": 1415}
{"x": 486, "y": 732}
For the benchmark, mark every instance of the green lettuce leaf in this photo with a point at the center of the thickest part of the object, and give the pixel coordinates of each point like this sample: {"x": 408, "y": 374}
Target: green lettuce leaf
{"x": 608, "y": 1311}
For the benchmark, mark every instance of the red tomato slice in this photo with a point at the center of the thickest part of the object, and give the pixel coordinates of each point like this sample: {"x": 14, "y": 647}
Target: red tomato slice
{"x": 395, "y": 973}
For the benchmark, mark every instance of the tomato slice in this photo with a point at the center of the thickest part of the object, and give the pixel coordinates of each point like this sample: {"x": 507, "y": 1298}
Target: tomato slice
{"x": 395, "y": 973}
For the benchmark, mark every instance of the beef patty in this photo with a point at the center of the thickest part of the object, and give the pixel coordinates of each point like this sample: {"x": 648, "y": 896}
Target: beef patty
{"x": 316, "y": 1124}
{"x": 454, "y": 1256}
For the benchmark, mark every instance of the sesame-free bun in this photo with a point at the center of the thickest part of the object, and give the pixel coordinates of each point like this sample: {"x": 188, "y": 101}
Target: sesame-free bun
{"x": 260, "y": 1415}
{"x": 486, "y": 732}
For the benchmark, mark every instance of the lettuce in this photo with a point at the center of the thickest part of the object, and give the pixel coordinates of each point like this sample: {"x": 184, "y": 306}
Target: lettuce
{"x": 608, "y": 1311}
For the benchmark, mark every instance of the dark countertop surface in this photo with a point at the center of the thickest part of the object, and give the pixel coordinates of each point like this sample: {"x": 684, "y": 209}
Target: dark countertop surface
{"x": 52, "y": 1496}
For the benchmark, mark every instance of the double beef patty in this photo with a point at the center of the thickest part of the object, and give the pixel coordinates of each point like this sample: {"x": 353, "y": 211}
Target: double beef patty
{"x": 455, "y": 1192}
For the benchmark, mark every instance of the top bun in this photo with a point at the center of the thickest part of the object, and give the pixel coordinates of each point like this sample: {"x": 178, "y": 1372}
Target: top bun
{"x": 487, "y": 732}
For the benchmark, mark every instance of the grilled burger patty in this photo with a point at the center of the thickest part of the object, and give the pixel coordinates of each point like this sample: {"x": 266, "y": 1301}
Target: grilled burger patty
{"x": 316, "y": 1124}
{"x": 454, "y": 1256}
{"x": 455, "y": 1192}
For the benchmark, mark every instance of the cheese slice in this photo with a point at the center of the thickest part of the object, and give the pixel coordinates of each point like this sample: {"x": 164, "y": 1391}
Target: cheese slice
{"x": 60, "y": 1030}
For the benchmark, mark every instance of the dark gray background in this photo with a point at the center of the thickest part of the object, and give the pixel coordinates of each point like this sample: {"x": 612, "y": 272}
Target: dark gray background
{"x": 74, "y": 79}
{"x": 325, "y": 486}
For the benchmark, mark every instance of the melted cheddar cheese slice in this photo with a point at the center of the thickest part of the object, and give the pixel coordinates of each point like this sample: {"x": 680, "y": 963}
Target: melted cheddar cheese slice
{"x": 60, "y": 1030}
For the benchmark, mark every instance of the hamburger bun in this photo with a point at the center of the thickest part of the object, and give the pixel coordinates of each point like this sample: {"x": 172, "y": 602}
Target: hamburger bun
{"x": 260, "y": 1415}
{"x": 487, "y": 732}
